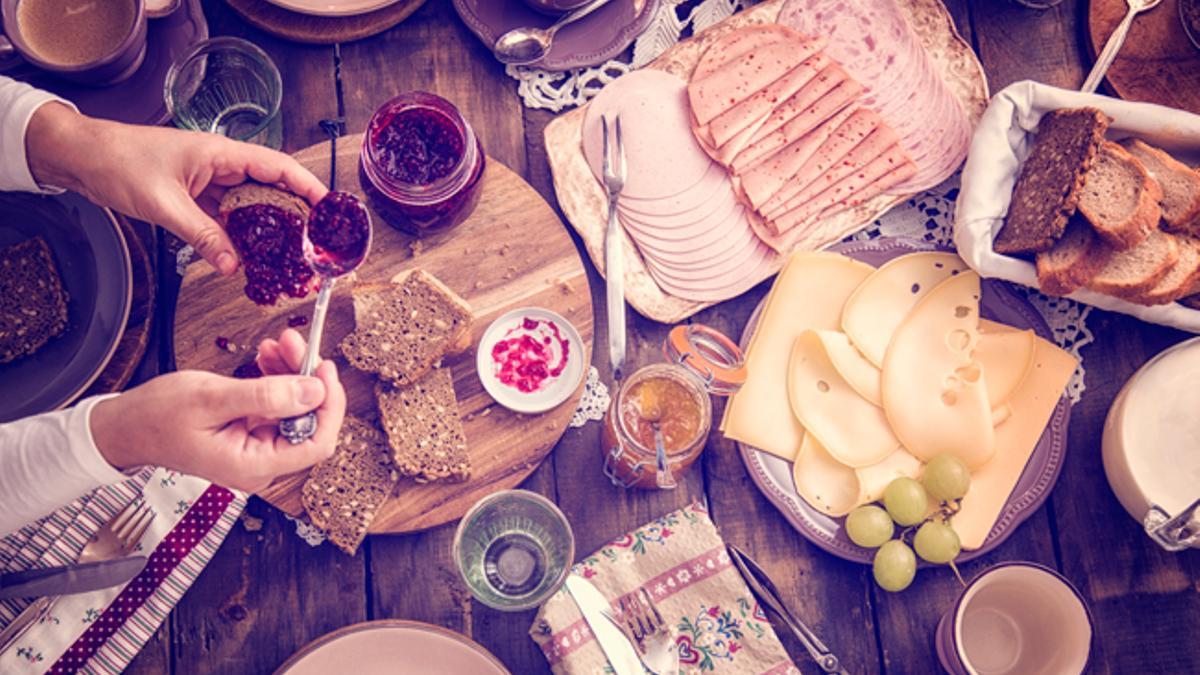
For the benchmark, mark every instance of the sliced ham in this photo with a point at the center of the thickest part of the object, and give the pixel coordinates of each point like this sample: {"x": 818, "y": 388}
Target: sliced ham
{"x": 830, "y": 76}
{"x": 736, "y": 43}
{"x": 760, "y": 106}
{"x": 881, "y": 141}
{"x": 765, "y": 179}
{"x": 739, "y": 79}
{"x": 697, "y": 199}
{"x": 823, "y": 109}
{"x": 878, "y": 175}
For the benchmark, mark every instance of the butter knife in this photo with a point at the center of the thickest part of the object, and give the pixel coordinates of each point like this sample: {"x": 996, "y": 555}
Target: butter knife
{"x": 616, "y": 647}
{"x": 614, "y": 262}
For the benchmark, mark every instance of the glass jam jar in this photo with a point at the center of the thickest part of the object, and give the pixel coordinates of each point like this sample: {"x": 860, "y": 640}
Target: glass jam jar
{"x": 675, "y": 397}
{"x": 421, "y": 165}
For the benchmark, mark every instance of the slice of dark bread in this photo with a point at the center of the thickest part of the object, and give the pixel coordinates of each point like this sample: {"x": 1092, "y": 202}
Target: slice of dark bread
{"x": 1180, "y": 187}
{"x": 1051, "y": 180}
{"x": 1179, "y": 280}
{"x": 403, "y": 328}
{"x": 423, "y": 428}
{"x": 1074, "y": 260}
{"x": 250, "y": 194}
{"x": 343, "y": 493}
{"x": 1135, "y": 271}
{"x": 33, "y": 302}
{"x": 1119, "y": 198}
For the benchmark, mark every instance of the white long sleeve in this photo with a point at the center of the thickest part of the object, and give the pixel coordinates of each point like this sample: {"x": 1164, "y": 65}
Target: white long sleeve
{"x": 48, "y": 460}
{"x": 18, "y": 102}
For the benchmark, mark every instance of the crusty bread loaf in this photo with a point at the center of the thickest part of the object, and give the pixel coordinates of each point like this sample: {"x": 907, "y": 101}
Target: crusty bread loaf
{"x": 403, "y": 328}
{"x": 424, "y": 429}
{"x": 344, "y": 493}
{"x": 1179, "y": 280}
{"x": 1074, "y": 260}
{"x": 1119, "y": 198}
{"x": 1048, "y": 188}
{"x": 249, "y": 194}
{"x": 33, "y": 303}
{"x": 1134, "y": 271}
{"x": 1180, "y": 187}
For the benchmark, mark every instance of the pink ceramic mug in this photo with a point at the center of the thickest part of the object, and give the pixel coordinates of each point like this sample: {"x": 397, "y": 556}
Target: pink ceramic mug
{"x": 114, "y": 65}
{"x": 1016, "y": 619}
{"x": 554, "y": 6}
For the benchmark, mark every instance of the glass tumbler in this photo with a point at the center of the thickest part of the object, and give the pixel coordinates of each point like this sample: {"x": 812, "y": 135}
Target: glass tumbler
{"x": 514, "y": 549}
{"x": 227, "y": 86}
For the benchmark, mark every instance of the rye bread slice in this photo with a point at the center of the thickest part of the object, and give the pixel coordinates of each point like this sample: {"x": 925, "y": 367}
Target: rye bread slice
{"x": 33, "y": 302}
{"x": 1051, "y": 180}
{"x": 250, "y": 194}
{"x": 343, "y": 493}
{"x": 1135, "y": 271}
{"x": 403, "y": 328}
{"x": 1179, "y": 280}
{"x": 1075, "y": 259}
{"x": 423, "y": 428}
{"x": 1180, "y": 187}
{"x": 1119, "y": 198}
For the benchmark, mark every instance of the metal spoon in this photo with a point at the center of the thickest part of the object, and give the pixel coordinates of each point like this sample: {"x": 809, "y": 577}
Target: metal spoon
{"x": 1109, "y": 53}
{"x": 663, "y": 477}
{"x": 521, "y": 46}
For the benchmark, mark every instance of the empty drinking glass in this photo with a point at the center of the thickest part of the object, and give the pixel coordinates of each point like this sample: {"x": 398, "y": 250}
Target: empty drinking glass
{"x": 227, "y": 86}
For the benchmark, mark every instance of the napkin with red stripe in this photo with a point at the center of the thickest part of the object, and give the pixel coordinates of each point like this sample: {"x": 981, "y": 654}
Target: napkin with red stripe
{"x": 102, "y": 631}
{"x": 681, "y": 561}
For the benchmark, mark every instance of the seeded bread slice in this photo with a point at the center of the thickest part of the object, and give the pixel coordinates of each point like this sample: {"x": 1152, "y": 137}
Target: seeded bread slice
{"x": 1074, "y": 260}
{"x": 1179, "y": 280}
{"x": 1119, "y": 198}
{"x": 402, "y": 329}
{"x": 249, "y": 194}
{"x": 424, "y": 429}
{"x": 1135, "y": 271}
{"x": 1180, "y": 186}
{"x": 343, "y": 493}
{"x": 33, "y": 303}
{"x": 1051, "y": 180}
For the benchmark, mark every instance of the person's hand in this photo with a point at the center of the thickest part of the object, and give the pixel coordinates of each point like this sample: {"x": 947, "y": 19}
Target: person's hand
{"x": 169, "y": 177}
{"x": 222, "y": 428}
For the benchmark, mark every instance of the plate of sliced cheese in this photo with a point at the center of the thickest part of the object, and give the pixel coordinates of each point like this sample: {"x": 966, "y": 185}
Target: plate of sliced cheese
{"x": 867, "y": 360}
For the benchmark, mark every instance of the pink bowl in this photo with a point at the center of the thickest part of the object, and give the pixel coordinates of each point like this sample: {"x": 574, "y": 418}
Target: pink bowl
{"x": 555, "y": 6}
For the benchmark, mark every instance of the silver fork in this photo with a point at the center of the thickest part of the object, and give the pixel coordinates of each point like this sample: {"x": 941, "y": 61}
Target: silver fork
{"x": 645, "y": 628}
{"x": 614, "y": 267}
{"x": 117, "y": 538}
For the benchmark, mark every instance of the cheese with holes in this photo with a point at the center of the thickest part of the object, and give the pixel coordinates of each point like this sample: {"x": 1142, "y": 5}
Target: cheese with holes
{"x": 1032, "y": 406}
{"x": 809, "y": 292}
{"x": 853, "y": 430}
{"x": 859, "y": 373}
{"x": 1006, "y": 355}
{"x": 934, "y": 393}
{"x": 874, "y": 479}
{"x": 825, "y": 483}
{"x": 880, "y": 304}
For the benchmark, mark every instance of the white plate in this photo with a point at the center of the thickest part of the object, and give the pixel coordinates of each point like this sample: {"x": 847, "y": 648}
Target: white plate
{"x": 547, "y": 397}
{"x": 392, "y": 647}
{"x": 332, "y": 7}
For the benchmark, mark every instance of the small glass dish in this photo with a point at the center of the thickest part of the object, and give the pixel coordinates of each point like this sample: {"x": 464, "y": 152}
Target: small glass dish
{"x": 227, "y": 86}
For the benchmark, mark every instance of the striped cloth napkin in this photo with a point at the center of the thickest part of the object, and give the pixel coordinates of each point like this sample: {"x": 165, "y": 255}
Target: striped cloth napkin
{"x": 102, "y": 631}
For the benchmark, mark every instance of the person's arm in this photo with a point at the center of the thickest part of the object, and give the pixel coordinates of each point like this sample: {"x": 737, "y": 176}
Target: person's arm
{"x": 18, "y": 104}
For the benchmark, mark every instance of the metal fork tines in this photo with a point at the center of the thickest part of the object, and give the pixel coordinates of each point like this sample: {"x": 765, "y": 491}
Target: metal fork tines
{"x": 613, "y": 171}
{"x": 643, "y": 624}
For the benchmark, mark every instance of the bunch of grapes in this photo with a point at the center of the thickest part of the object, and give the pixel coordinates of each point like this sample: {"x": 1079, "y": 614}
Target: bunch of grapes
{"x": 906, "y": 503}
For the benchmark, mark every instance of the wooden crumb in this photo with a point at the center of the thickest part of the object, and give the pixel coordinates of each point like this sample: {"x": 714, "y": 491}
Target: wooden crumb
{"x": 417, "y": 247}
{"x": 251, "y": 523}
{"x": 479, "y": 284}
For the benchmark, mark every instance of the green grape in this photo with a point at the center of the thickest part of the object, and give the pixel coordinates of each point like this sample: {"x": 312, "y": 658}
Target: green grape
{"x": 869, "y": 526}
{"x": 905, "y": 501}
{"x": 946, "y": 478}
{"x": 895, "y": 565}
{"x": 937, "y": 542}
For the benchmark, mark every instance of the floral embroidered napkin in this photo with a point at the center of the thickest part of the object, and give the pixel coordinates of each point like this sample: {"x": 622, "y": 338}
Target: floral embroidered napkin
{"x": 681, "y": 561}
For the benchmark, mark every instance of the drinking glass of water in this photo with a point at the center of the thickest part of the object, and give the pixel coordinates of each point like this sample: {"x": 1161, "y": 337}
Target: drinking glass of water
{"x": 227, "y": 86}
{"x": 514, "y": 549}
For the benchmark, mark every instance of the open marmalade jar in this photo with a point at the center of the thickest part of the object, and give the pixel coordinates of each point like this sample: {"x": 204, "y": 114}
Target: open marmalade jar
{"x": 674, "y": 395}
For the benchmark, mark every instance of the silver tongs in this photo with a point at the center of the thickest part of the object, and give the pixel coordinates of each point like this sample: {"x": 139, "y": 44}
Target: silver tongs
{"x": 614, "y": 267}
{"x": 766, "y": 592}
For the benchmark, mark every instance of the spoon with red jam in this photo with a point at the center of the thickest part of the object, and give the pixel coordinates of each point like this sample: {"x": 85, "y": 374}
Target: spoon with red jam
{"x": 336, "y": 240}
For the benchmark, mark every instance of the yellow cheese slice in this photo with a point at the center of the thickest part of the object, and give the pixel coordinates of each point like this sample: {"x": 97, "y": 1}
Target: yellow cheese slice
{"x": 878, "y": 306}
{"x": 1032, "y": 405}
{"x": 808, "y": 293}
{"x": 1006, "y": 355}
{"x": 825, "y": 483}
{"x": 851, "y": 428}
{"x": 874, "y": 479}
{"x": 1001, "y": 414}
{"x": 934, "y": 394}
{"x": 859, "y": 373}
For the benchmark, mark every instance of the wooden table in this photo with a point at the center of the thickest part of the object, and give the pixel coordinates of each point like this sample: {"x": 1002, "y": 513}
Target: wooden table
{"x": 267, "y": 592}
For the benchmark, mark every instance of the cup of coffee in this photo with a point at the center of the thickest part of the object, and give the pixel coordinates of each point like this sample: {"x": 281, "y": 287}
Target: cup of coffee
{"x": 96, "y": 42}
{"x": 555, "y": 6}
{"x": 1016, "y": 619}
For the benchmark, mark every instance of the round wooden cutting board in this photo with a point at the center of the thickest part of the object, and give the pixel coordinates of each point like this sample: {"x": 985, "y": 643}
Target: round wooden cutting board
{"x": 1158, "y": 63}
{"x": 512, "y": 252}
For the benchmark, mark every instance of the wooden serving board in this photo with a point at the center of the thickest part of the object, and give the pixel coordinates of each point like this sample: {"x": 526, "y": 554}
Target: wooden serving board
{"x": 512, "y": 252}
{"x": 583, "y": 200}
{"x": 322, "y": 30}
{"x": 1158, "y": 63}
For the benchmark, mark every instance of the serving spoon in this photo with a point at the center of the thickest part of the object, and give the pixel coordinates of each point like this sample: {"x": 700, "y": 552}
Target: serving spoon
{"x": 1113, "y": 45}
{"x": 521, "y": 46}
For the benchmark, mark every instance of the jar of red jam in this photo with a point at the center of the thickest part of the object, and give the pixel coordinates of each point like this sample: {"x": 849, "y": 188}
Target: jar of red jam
{"x": 421, "y": 165}
{"x": 675, "y": 397}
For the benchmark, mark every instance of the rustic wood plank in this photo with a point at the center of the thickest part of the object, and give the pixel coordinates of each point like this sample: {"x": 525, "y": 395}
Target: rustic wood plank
{"x": 1017, "y": 43}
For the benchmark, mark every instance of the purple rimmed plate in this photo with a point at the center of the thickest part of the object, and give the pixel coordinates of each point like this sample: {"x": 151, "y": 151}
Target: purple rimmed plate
{"x": 999, "y": 302}
{"x": 590, "y": 41}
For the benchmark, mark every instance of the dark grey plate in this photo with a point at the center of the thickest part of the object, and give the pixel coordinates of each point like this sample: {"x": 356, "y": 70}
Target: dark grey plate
{"x": 95, "y": 268}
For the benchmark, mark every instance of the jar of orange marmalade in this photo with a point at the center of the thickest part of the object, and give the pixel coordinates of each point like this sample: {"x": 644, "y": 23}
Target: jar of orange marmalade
{"x": 669, "y": 400}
